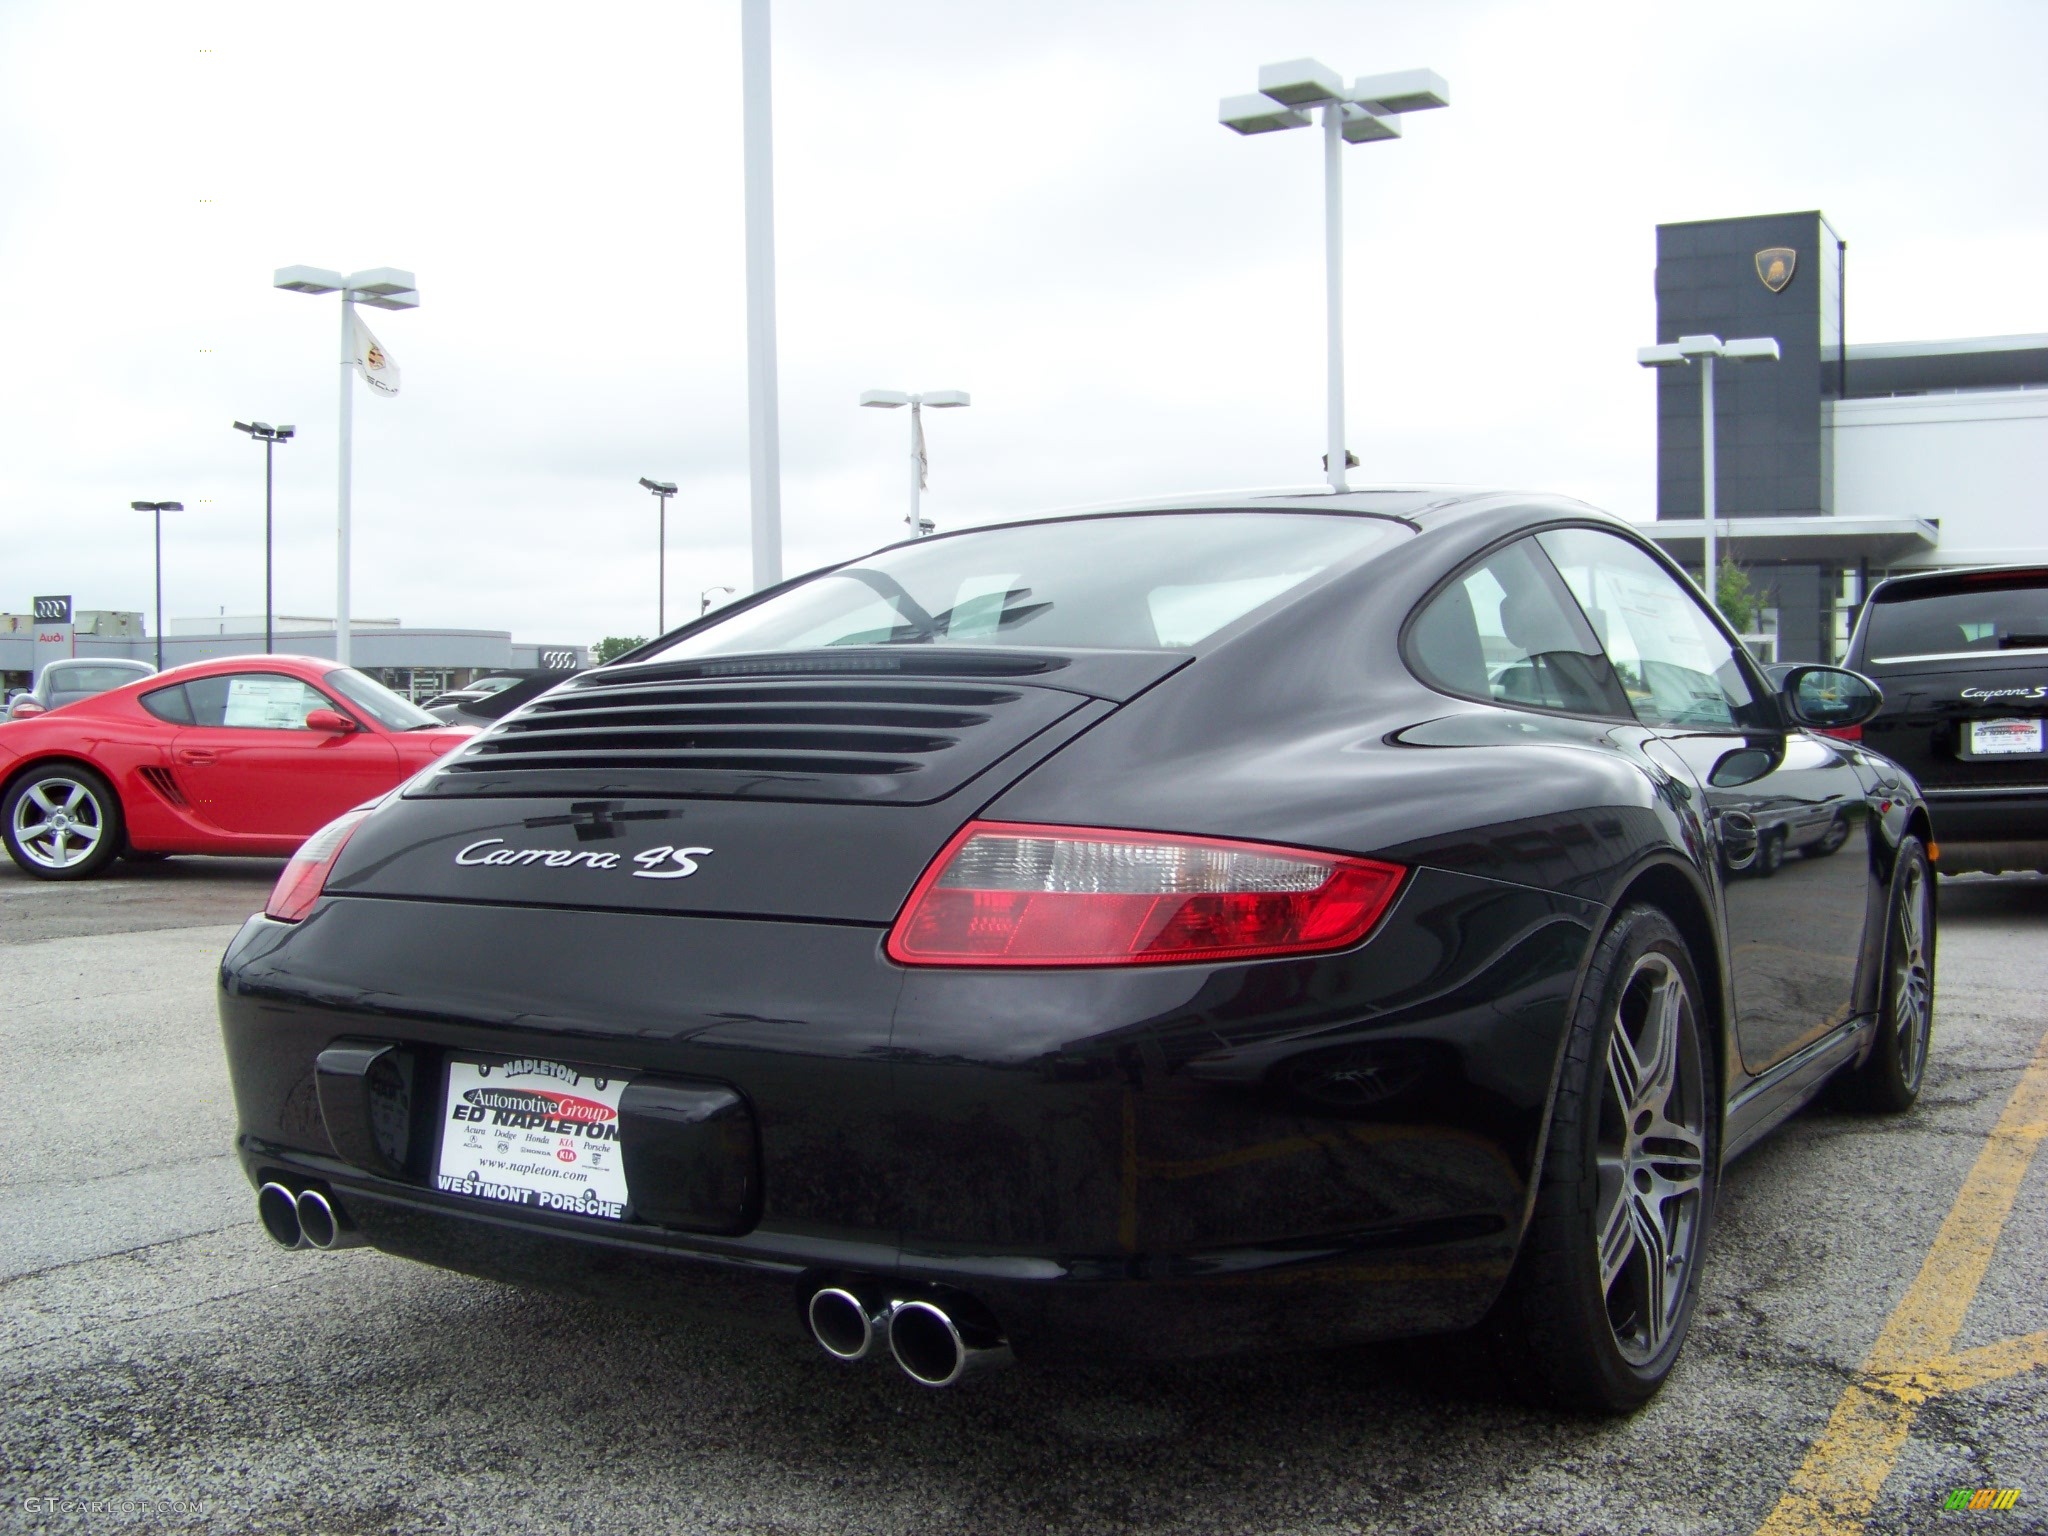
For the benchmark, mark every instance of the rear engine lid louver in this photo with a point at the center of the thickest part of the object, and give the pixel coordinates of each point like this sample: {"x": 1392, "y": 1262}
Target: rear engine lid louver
{"x": 803, "y": 727}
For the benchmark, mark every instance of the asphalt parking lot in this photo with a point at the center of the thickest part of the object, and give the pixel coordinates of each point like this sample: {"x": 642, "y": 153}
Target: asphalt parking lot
{"x": 164, "y": 1367}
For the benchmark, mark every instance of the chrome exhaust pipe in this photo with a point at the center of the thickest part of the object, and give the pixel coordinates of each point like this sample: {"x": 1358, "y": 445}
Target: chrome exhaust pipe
{"x": 936, "y": 1347}
{"x": 277, "y": 1208}
{"x": 322, "y": 1222}
{"x": 844, "y": 1323}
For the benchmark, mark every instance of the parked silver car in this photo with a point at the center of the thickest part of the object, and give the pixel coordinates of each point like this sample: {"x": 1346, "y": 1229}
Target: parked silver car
{"x": 66, "y": 682}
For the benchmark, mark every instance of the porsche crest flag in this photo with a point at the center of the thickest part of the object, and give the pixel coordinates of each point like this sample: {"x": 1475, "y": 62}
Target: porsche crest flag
{"x": 378, "y": 368}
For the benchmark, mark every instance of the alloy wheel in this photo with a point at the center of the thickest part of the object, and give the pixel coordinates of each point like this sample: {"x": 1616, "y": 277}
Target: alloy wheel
{"x": 1650, "y": 1157}
{"x": 1912, "y": 976}
{"x": 58, "y": 822}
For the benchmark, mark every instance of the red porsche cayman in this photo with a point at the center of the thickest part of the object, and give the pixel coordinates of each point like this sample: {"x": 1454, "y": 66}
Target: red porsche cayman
{"x": 245, "y": 755}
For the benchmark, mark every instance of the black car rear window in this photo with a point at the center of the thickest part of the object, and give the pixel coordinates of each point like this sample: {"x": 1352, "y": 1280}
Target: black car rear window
{"x": 1966, "y": 615}
{"x": 1150, "y": 582}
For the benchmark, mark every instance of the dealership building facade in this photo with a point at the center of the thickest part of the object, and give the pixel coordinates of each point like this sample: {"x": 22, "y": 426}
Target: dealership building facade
{"x": 415, "y": 662}
{"x": 1842, "y": 462}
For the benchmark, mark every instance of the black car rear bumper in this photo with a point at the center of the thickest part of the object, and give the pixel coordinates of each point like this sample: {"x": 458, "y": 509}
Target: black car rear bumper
{"x": 1161, "y": 1161}
{"x": 1989, "y": 829}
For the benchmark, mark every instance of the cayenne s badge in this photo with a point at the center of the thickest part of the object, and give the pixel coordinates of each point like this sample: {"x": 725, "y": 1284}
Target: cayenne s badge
{"x": 1985, "y": 695}
{"x": 660, "y": 862}
{"x": 1775, "y": 265}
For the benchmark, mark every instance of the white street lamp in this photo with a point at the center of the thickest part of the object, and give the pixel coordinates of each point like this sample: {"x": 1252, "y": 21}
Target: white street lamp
{"x": 381, "y": 288}
{"x": 1707, "y": 348}
{"x": 1364, "y": 114}
{"x": 937, "y": 399}
{"x": 663, "y": 489}
{"x": 270, "y": 437}
{"x": 159, "y": 508}
{"x": 704, "y": 599}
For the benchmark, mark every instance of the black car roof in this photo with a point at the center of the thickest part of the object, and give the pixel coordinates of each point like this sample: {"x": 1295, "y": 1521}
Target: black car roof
{"x": 1417, "y": 505}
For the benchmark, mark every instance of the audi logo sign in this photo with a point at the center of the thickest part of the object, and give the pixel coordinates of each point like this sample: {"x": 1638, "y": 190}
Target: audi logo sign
{"x": 53, "y": 610}
{"x": 558, "y": 661}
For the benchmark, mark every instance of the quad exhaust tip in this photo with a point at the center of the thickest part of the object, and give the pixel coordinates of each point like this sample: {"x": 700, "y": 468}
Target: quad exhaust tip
{"x": 932, "y": 1348}
{"x": 844, "y": 1325}
{"x": 934, "y": 1341}
{"x": 305, "y": 1218}
{"x": 278, "y": 1209}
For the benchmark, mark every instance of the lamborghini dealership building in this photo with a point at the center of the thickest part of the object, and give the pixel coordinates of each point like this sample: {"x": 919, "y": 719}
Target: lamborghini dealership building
{"x": 1842, "y": 462}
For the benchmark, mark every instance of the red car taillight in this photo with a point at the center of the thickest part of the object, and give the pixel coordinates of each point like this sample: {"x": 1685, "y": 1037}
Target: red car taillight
{"x": 1008, "y": 894}
{"x": 306, "y": 876}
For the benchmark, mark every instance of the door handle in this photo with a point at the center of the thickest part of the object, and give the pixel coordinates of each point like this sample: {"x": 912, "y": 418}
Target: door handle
{"x": 195, "y": 757}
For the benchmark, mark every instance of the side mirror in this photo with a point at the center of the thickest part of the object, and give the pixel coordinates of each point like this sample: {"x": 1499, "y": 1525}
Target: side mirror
{"x": 329, "y": 720}
{"x": 1829, "y": 698}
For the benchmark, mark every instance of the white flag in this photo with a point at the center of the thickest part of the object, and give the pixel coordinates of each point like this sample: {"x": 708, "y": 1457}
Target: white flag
{"x": 924, "y": 464}
{"x": 378, "y": 368}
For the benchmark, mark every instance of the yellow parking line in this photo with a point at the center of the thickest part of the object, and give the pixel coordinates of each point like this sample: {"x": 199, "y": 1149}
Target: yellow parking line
{"x": 1972, "y": 1368}
{"x": 1838, "y": 1484}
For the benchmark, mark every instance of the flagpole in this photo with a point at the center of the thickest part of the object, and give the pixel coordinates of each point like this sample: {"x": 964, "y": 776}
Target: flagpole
{"x": 341, "y": 544}
{"x": 916, "y": 465}
{"x": 764, "y": 443}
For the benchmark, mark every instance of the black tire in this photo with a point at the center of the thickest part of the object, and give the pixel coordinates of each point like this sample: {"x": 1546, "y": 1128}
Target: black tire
{"x": 1889, "y": 1078}
{"x": 1577, "y": 1326}
{"x": 51, "y": 809}
{"x": 1770, "y": 854}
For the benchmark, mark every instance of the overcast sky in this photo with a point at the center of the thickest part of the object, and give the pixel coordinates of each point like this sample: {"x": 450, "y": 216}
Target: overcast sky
{"x": 1033, "y": 202}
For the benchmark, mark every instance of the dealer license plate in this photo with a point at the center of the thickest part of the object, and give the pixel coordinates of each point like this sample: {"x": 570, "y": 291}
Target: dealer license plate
{"x": 1997, "y": 738}
{"x": 533, "y": 1133}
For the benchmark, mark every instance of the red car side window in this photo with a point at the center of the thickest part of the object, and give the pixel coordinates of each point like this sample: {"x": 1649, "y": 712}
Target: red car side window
{"x": 169, "y": 704}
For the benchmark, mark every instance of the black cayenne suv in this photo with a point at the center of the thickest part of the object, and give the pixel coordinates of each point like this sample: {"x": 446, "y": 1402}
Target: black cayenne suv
{"x": 1962, "y": 657}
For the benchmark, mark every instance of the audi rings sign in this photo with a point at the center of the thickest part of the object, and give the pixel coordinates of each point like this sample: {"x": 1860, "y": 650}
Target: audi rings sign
{"x": 558, "y": 660}
{"x": 53, "y": 633}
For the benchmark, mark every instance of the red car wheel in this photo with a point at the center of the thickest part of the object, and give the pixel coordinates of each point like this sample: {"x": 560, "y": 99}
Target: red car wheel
{"x": 62, "y": 822}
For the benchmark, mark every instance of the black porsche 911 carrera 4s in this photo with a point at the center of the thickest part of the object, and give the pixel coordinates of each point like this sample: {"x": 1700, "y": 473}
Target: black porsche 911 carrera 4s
{"x": 1268, "y": 924}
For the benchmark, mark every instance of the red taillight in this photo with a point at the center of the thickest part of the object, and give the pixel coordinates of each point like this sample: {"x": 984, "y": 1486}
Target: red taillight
{"x": 1843, "y": 732}
{"x": 1007, "y": 894}
{"x": 306, "y": 876}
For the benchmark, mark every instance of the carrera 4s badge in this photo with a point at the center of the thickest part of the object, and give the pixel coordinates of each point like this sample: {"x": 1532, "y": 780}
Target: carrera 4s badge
{"x": 658, "y": 863}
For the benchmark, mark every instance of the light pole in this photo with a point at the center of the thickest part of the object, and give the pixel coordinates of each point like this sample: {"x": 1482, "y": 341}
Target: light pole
{"x": 704, "y": 599}
{"x": 159, "y": 508}
{"x": 270, "y": 437}
{"x": 380, "y": 288}
{"x": 663, "y": 489}
{"x": 1366, "y": 113}
{"x": 1707, "y": 349}
{"x": 937, "y": 399}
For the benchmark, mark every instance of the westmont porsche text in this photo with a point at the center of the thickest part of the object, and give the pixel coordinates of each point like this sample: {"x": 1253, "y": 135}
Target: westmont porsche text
{"x": 1199, "y": 928}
